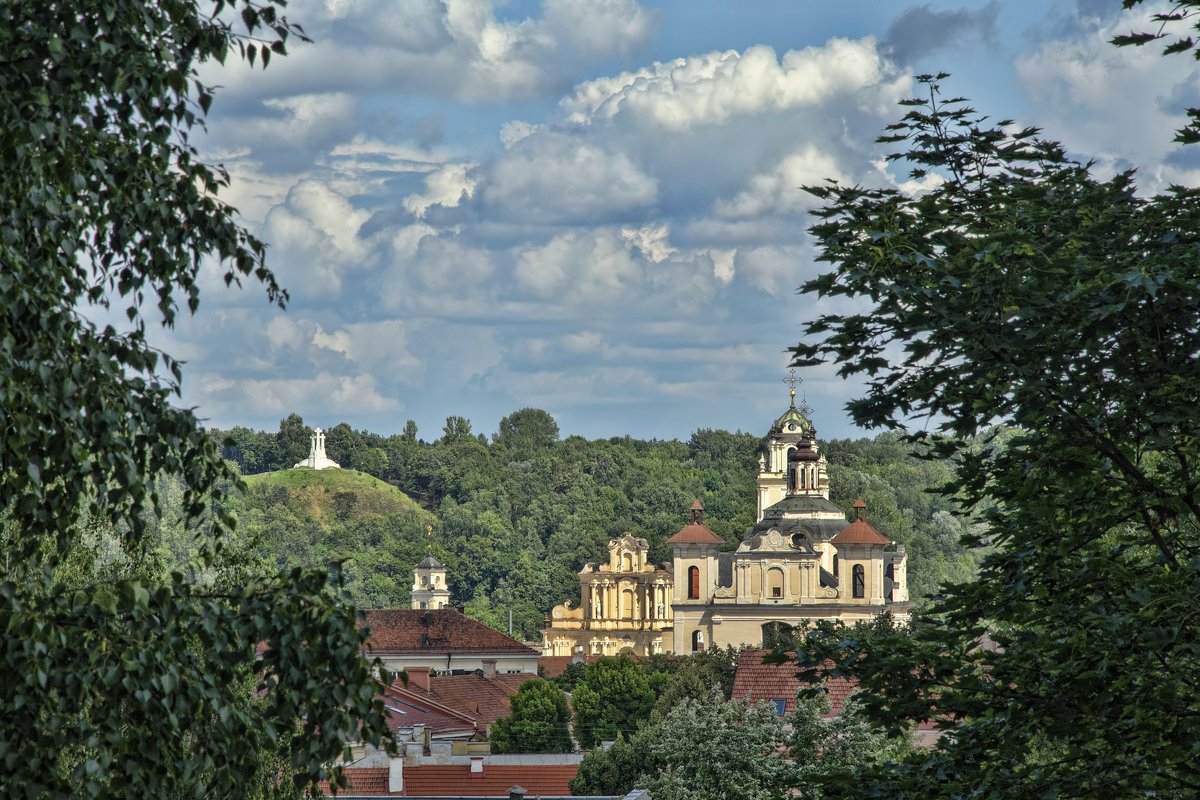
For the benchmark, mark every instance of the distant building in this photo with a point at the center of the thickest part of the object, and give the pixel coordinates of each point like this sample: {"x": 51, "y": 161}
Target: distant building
{"x": 800, "y": 561}
{"x": 429, "y": 589}
{"x": 444, "y": 640}
{"x": 625, "y": 607}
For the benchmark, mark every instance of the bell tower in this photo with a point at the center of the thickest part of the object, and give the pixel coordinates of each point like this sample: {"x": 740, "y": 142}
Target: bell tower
{"x": 793, "y": 464}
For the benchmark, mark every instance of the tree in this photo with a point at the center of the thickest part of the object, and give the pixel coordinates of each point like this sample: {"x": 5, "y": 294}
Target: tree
{"x": 527, "y": 431}
{"x": 293, "y": 441}
{"x": 142, "y": 682}
{"x": 539, "y": 723}
{"x": 1021, "y": 288}
{"x": 613, "y": 697}
{"x": 1181, "y": 12}
{"x": 456, "y": 428}
{"x": 716, "y": 749}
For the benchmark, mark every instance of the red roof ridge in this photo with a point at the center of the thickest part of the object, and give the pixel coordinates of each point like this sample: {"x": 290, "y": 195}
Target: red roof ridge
{"x": 859, "y": 532}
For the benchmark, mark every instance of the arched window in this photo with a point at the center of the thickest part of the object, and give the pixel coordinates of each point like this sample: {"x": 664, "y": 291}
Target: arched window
{"x": 629, "y": 562}
{"x": 697, "y": 641}
{"x": 860, "y": 581}
{"x": 775, "y": 583}
{"x": 693, "y": 583}
{"x": 424, "y": 580}
{"x": 627, "y": 603}
{"x": 422, "y": 604}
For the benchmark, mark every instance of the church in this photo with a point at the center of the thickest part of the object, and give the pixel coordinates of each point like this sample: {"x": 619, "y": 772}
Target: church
{"x": 802, "y": 560}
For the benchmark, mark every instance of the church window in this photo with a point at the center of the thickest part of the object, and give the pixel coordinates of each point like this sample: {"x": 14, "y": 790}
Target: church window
{"x": 424, "y": 580}
{"x": 835, "y": 565}
{"x": 697, "y": 641}
{"x": 422, "y": 604}
{"x": 629, "y": 562}
{"x": 775, "y": 582}
{"x": 693, "y": 583}
{"x": 860, "y": 581}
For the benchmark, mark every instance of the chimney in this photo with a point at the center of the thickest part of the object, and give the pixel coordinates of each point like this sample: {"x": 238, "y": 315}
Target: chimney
{"x": 396, "y": 775}
{"x": 489, "y": 668}
{"x": 418, "y": 678}
{"x": 516, "y": 793}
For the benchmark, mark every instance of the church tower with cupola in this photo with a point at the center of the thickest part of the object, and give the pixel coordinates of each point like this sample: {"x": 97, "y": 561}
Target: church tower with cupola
{"x": 429, "y": 589}
{"x": 793, "y": 463}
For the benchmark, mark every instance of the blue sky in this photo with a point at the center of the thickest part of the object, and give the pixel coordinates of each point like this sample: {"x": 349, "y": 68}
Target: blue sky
{"x": 594, "y": 206}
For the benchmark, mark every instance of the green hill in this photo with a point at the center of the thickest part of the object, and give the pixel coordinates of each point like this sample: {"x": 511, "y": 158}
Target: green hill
{"x": 330, "y": 495}
{"x": 315, "y": 517}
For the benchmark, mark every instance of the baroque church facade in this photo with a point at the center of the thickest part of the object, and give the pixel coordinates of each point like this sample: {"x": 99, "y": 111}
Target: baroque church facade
{"x": 801, "y": 560}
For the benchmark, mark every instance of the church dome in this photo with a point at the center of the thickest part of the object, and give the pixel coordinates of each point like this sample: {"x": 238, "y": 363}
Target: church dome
{"x": 792, "y": 422}
{"x": 429, "y": 562}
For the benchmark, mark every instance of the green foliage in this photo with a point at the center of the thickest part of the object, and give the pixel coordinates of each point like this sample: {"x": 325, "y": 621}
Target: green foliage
{"x": 124, "y": 677}
{"x": 539, "y": 723}
{"x": 1180, "y": 12}
{"x": 710, "y": 748}
{"x": 613, "y": 697}
{"x": 1024, "y": 289}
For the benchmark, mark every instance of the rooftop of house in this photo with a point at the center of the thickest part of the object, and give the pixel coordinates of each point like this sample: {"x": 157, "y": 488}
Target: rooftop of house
{"x": 483, "y": 698}
{"x": 757, "y": 681}
{"x": 400, "y": 631}
{"x": 458, "y": 780}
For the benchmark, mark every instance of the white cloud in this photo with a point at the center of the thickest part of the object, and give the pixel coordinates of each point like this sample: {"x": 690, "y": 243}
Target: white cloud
{"x": 580, "y": 268}
{"x": 314, "y": 238}
{"x": 1117, "y": 106}
{"x": 459, "y": 48}
{"x": 780, "y": 190}
{"x": 445, "y": 186}
{"x": 552, "y": 178}
{"x": 714, "y": 87}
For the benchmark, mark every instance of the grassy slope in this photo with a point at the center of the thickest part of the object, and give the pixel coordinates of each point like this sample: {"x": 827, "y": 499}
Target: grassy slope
{"x": 321, "y": 493}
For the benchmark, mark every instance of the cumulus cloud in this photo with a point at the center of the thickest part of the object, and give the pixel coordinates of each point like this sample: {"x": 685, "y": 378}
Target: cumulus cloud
{"x": 1076, "y": 81}
{"x": 781, "y": 189}
{"x": 460, "y": 48}
{"x": 314, "y": 233}
{"x": 715, "y": 87}
{"x": 554, "y": 178}
{"x": 923, "y": 30}
{"x": 580, "y": 267}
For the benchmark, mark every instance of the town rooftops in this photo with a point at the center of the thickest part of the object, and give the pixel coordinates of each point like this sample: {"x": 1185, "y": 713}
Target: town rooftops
{"x": 777, "y": 683}
{"x": 399, "y": 631}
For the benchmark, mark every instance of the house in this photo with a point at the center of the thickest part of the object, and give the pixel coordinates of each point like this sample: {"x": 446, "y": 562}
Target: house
{"x": 443, "y": 640}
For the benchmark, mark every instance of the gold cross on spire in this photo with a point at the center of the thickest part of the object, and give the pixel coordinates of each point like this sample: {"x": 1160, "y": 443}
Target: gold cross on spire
{"x": 792, "y": 380}
{"x": 428, "y": 538}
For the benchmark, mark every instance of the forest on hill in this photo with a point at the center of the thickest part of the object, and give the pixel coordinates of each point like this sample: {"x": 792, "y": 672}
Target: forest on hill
{"x": 516, "y": 515}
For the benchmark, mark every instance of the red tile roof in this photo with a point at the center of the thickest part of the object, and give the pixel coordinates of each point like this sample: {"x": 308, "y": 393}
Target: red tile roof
{"x": 397, "y": 631}
{"x": 696, "y": 533}
{"x": 371, "y": 781}
{"x": 484, "y": 700}
{"x": 405, "y": 707}
{"x": 457, "y": 780}
{"x": 757, "y": 681}
{"x": 859, "y": 532}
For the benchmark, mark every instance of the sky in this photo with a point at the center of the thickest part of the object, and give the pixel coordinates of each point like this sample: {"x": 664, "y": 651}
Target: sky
{"x": 595, "y": 207}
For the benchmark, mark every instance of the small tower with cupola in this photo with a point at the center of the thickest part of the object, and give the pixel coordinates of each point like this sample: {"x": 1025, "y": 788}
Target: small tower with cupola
{"x": 793, "y": 463}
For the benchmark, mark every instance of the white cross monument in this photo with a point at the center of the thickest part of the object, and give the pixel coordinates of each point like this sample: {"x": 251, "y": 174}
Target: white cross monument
{"x": 316, "y": 453}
